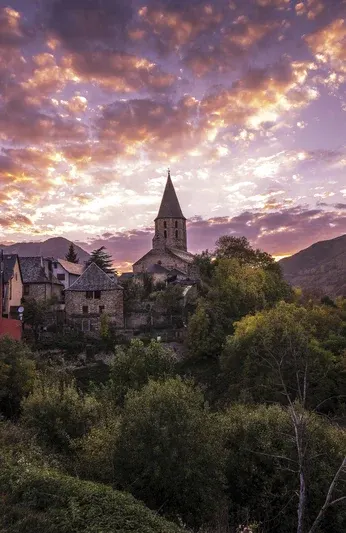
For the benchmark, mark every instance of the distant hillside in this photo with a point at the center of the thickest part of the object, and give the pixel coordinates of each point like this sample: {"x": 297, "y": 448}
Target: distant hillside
{"x": 56, "y": 247}
{"x": 321, "y": 267}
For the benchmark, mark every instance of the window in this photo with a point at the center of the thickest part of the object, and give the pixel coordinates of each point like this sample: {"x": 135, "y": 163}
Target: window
{"x": 97, "y": 295}
{"x": 55, "y": 265}
{"x": 176, "y": 233}
{"x": 61, "y": 277}
{"x": 26, "y": 290}
{"x": 165, "y": 224}
{"x": 85, "y": 309}
{"x": 176, "y": 224}
{"x": 89, "y": 295}
{"x": 165, "y": 234}
{"x": 101, "y": 309}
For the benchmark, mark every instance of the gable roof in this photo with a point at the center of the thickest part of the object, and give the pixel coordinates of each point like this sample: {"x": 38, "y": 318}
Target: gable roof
{"x": 9, "y": 264}
{"x": 156, "y": 268}
{"x": 94, "y": 279}
{"x": 33, "y": 271}
{"x": 170, "y": 207}
{"x": 182, "y": 254}
{"x": 72, "y": 268}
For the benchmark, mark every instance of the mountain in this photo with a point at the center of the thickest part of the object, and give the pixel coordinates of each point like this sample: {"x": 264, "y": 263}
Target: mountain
{"x": 321, "y": 267}
{"x": 55, "y": 247}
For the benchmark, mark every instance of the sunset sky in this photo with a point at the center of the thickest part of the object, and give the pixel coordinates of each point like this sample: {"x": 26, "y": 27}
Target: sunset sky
{"x": 244, "y": 100}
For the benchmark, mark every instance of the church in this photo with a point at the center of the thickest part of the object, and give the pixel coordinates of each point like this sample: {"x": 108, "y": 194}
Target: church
{"x": 169, "y": 250}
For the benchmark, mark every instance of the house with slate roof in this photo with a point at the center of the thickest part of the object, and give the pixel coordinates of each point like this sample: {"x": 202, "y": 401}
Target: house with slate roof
{"x": 66, "y": 272}
{"x": 12, "y": 286}
{"x": 91, "y": 295}
{"x": 169, "y": 248}
{"x": 39, "y": 282}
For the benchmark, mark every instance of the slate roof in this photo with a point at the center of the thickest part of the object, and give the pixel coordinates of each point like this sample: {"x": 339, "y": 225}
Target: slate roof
{"x": 94, "y": 279}
{"x": 170, "y": 207}
{"x": 182, "y": 254}
{"x": 9, "y": 264}
{"x": 71, "y": 268}
{"x": 157, "y": 269}
{"x": 33, "y": 271}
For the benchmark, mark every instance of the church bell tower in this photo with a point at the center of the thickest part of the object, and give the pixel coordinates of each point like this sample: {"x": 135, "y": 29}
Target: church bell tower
{"x": 170, "y": 223}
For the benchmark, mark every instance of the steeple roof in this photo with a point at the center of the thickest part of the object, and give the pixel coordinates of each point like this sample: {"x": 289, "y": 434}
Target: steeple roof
{"x": 170, "y": 207}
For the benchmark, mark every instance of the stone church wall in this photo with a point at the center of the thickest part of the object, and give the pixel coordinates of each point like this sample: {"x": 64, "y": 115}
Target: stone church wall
{"x": 166, "y": 260}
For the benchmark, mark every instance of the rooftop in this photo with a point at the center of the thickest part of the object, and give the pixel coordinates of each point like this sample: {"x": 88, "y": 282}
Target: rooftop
{"x": 170, "y": 207}
{"x": 71, "y": 268}
{"x": 94, "y": 279}
{"x": 33, "y": 271}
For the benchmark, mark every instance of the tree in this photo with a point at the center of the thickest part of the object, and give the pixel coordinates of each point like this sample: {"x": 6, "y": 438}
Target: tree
{"x": 262, "y": 469}
{"x": 35, "y": 315}
{"x": 169, "y": 452}
{"x": 229, "y": 247}
{"x": 102, "y": 259}
{"x": 134, "y": 366}
{"x": 58, "y": 412}
{"x": 71, "y": 254}
{"x": 17, "y": 374}
{"x": 276, "y": 342}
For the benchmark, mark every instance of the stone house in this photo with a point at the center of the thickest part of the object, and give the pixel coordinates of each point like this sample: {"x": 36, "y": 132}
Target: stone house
{"x": 91, "y": 295}
{"x": 169, "y": 248}
{"x": 39, "y": 282}
{"x": 66, "y": 272}
{"x": 12, "y": 286}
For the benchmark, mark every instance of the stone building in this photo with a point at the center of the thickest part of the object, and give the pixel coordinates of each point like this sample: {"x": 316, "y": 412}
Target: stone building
{"x": 39, "y": 282}
{"x": 92, "y": 294}
{"x": 170, "y": 240}
{"x": 12, "y": 286}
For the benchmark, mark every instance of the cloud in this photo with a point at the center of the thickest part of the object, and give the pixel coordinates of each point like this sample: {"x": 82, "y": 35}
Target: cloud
{"x": 328, "y": 44}
{"x": 13, "y": 32}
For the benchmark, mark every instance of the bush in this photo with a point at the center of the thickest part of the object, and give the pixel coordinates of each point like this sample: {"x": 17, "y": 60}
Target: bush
{"x": 44, "y": 501}
{"x": 169, "y": 451}
{"x": 17, "y": 374}
{"x": 59, "y": 413}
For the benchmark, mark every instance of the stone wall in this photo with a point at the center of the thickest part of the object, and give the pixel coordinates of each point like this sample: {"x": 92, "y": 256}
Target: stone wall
{"x": 112, "y": 301}
{"x": 170, "y": 232}
{"x": 42, "y": 291}
{"x": 167, "y": 261}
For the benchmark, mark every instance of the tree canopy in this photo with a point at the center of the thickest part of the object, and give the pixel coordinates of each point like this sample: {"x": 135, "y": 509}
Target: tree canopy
{"x": 102, "y": 259}
{"x": 71, "y": 254}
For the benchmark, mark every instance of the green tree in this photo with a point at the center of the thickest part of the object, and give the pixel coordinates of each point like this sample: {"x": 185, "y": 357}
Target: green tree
{"x": 102, "y": 259}
{"x": 58, "y": 412}
{"x": 35, "y": 315}
{"x": 17, "y": 374}
{"x": 135, "y": 365}
{"x": 169, "y": 452}
{"x": 229, "y": 247}
{"x": 262, "y": 469}
{"x": 276, "y": 349}
{"x": 71, "y": 254}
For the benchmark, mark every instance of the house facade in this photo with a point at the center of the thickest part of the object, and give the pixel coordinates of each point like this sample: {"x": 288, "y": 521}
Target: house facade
{"x": 39, "y": 282}
{"x": 91, "y": 295}
{"x": 169, "y": 249}
{"x": 12, "y": 286}
{"x": 66, "y": 272}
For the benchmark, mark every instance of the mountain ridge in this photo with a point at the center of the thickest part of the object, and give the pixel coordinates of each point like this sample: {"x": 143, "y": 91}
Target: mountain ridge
{"x": 321, "y": 267}
{"x": 53, "y": 247}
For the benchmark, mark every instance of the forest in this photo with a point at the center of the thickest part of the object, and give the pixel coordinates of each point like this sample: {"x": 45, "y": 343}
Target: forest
{"x": 244, "y": 434}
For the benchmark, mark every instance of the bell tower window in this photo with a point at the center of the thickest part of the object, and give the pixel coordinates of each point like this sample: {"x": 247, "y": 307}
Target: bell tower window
{"x": 165, "y": 224}
{"x": 176, "y": 233}
{"x": 165, "y": 234}
{"x": 176, "y": 224}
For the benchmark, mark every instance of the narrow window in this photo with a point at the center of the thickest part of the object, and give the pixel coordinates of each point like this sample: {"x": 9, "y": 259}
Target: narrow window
{"x": 85, "y": 309}
{"x": 101, "y": 309}
{"x": 165, "y": 224}
{"x": 165, "y": 234}
{"x": 89, "y": 295}
{"x": 176, "y": 223}
{"x": 26, "y": 290}
{"x": 97, "y": 295}
{"x": 61, "y": 277}
{"x": 176, "y": 233}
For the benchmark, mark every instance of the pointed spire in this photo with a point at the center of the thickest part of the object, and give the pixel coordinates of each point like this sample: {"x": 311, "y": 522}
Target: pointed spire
{"x": 170, "y": 207}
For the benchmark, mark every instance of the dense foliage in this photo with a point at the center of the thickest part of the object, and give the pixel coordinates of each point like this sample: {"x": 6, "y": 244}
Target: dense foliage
{"x": 245, "y": 433}
{"x": 71, "y": 255}
{"x": 102, "y": 259}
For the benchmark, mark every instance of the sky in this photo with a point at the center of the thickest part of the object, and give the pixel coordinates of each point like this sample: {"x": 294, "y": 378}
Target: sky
{"x": 244, "y": 101}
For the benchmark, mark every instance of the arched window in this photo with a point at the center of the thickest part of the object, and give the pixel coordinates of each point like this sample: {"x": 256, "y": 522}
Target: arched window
{"x": 165, "y": 234}
{"x": 165, "y": 224}
{"x": 176, "y": 233}
{"x": 176, "y": 223}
